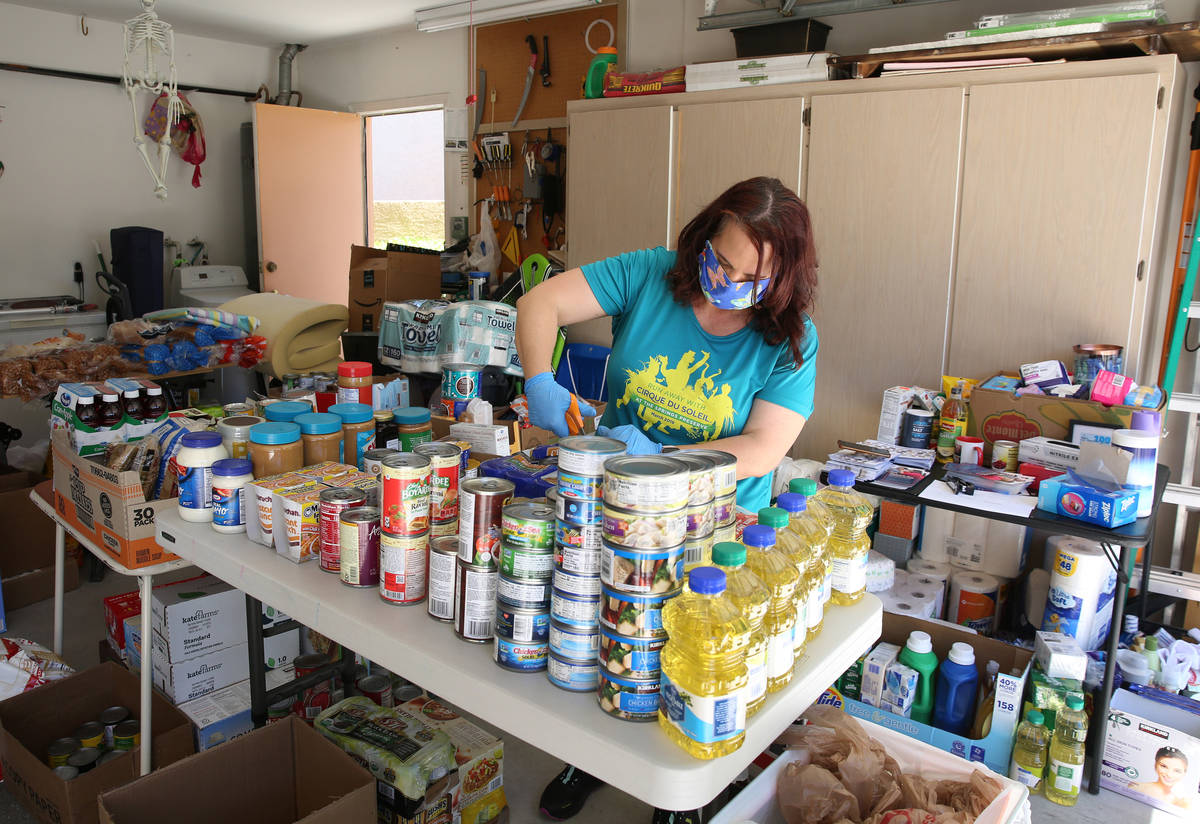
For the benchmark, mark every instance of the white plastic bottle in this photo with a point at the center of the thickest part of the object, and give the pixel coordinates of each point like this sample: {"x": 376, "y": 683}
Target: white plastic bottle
{"x": 229, "y": 479}
{"x": 198, "y": 452}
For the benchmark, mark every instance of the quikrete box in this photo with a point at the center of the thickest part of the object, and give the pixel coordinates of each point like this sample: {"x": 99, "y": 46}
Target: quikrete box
{"x": 279, "y": 774}
{"x": 30, "y": 721}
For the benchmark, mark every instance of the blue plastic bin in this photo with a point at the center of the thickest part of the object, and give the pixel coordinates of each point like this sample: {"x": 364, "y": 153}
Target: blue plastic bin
{"x": 582, "y": 370}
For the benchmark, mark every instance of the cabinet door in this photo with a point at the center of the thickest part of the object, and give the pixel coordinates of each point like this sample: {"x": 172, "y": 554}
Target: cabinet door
{"x": 1054, "y": 194}
{"x": 618, "y": 182}
{"x": 882, "y": 175}
{"x": 722, "y": 143}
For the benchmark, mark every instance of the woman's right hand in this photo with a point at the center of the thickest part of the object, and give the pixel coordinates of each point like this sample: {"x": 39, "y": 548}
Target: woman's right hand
{"x": 549, "y": 402}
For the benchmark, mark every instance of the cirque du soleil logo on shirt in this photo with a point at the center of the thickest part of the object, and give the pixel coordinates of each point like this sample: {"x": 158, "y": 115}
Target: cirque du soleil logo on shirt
{"x": 669, "y": 400}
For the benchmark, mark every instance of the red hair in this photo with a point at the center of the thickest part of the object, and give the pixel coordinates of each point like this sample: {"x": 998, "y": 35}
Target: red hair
{"x": 770, "y": 213}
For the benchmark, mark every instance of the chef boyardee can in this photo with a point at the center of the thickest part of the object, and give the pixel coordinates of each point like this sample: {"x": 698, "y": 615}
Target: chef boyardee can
{"x": 523, "y": 593}
{"x": 528, "y": 524}
{"x": 576, "y": 584}
{"x": 443, "y": 552}
{"x": 444, "y": 461}
{"x": 586, "y": 454}
{"x": 405, "y": 494}
{"x": 521, "y": 624}
{"x": 574, "y": 610}
{"x": 520, "y": 656}
{"x": 403, "y": 568}
{"x": 60, "y": 750}
{"x": 359, "y": 546}
{"x": 571, "y": 674}
{"x": 579, "y": 561}
{"x": 578, "y": 643}
{"x": 580, "y": 536}
{"x": 578, "y": 510}
{"x": 645, "y": 483}
{"x": 480, "y": 519}
{"x": 475, "y": 601}
{"x": 724, "y": 469}
{"x": 526, "y": 563}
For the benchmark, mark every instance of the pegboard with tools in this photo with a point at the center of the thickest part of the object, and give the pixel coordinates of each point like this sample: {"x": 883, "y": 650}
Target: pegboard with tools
{"x": 522, "y": 179}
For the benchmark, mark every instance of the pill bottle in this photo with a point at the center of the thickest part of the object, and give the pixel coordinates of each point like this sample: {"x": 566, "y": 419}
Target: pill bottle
{"x": 321, "y": 434}
{"x": 198, "y": 451}
{"x": 275, "y": 448}
{"x": 229, "y": 479}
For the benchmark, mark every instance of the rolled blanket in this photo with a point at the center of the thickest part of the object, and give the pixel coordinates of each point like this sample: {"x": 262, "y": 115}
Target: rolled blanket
{"x": 302, "y": 335}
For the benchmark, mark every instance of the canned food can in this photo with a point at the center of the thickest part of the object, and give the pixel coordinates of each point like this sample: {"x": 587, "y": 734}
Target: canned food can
{"x": 724, "y": 511}
{"x": 520, "y": 656}
{"x": 573, "y": 675}
{"x": 643, "y": 530}
{"x": 324, "y": 381}
{"x": 697, "y": 553}
{"x": 701, "y": 483}
{"x": 403, "y": 568}
{"x": 524, "y": 593}
{"x": 84, "y": 758}
{"x": 444, "y": 463}
{"x": 127, "y": 735}
{"x": 576, "y": 560}
{"x": 475, "y": 601}
{"x": 582, "y": 487}
{"x": 279, "y": 710}
{"x": 586, "y": 454}
{"x": 378, "y": 688}
{"x": 627, "y": 698}
{"x": 576, "y": 643}
{"x": 526, "y": 563}
{"x": 630, "y": 657}
{"x": 725, "y": 533}
{"x": 407, "y": 692}
{"x": 638, "y": 616}
{"x": 460, "y": 381}
{"x": 646, "y": 483}
{"x": 233, "y": 410}
{"x": 1004, "y": 455}
{"x": 316, "y": 699}
{"x": 642, "y": 571}
{"x": 528, "y": 525}
{"x": 332, "y": 504}
{"x": 577, "y": 511}
{"x": 90, "y": 734}
{"x": 65, "y": 772}
{"x": 724, "y": 467}
{"x": 290, "y": 380}
{"x": 443, "y": 552}
{"x": 522, "y": 624}
{"x": 472, "y": 470}
{"x": 60, "y": 750}
{"x": 405, "y": 495}
{"x": 358, "y": 546}
{"x": 109, "y": 720}
{"x": 373, "y": 459}
{"x": 446, "y": 529}
{"x": 701, "y": 520}
{"x": 480, "y": 519}
{"x": 574, "y": 610}
{"x": 576, "y": 584}
{"x": 579, "y": 536}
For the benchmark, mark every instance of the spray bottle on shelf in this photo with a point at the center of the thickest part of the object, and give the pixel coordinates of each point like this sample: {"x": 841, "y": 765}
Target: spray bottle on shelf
{"x": 779, "y": 575}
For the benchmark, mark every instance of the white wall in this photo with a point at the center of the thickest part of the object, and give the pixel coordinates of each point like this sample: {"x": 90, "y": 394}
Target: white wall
{"x": 72, "y": 172}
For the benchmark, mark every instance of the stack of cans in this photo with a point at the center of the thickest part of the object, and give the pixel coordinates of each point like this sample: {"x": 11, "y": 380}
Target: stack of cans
{"x": 701, "y": 515}
{"x": 645, "y": 524}
{"x": 523, "y": 588}
{"x": 445, "y": 464}
{"x": 404, "y": 529}
{"x": 575, "y": 598}
{"x": 724, "y": 492}
{"x": 477, "y": 573}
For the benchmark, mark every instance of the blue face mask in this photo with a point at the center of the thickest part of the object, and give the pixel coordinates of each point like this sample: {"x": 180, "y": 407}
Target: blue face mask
{"x": 722, "y": 292}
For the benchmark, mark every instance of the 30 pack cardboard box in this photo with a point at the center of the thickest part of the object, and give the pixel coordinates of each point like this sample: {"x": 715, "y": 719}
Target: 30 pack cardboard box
{"x": 279, "y": 774}
{"x": 30, "y": 721}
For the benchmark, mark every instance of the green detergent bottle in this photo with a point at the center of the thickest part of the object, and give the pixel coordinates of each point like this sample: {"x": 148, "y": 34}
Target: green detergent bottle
{"x": 602, "y": 64}
{"x": 918, "y": 653}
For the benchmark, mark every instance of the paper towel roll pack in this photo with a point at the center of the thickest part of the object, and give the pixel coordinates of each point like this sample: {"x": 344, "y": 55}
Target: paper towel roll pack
{"x": 921, "y": 566}
{"x": 935, "y": 587}
{"x": 1082, "y": 585}
{"x": 974, "y": 542}
{"x": 974, "y": 601}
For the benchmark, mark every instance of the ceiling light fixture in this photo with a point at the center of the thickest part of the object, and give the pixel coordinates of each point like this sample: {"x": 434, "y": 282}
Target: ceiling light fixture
{"x": 457, "y": 15}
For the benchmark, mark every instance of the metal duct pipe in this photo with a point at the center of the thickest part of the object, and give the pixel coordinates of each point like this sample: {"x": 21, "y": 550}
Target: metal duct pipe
{"x": 284, "y": 98}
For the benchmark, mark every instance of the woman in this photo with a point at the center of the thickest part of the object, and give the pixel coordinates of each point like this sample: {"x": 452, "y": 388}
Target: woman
{"x": 1170, "y": 765}
{"x": 712, "y": 347}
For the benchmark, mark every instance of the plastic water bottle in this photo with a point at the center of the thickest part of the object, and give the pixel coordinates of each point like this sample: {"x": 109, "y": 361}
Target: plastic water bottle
{"x": 954, "y": 699}
{"x": 779, "y": 574}
{"x": 1064, "y": 772}
{"x": 848, "y": 545}
{"x": 918, "y": 653}
{"x": 804, "y": 522}
{"x": 789, "y": 544}
{"x": 750, "y": 596}
{"x": 808, "y": 488}
{"x": 1029, "y": 751}
{"x": 702, "y": 689}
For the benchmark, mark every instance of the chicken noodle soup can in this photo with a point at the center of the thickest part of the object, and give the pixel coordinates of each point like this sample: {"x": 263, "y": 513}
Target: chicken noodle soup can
{"x": 480, "y": 519}
{"x": 520, "y": 656}
{"x": 645, "y": 483}
{"x": 526, "y": 563}
{"x": 574, "y": 559}
{"x": 701, "y": 480}
{"x": 405, "y": 496}
{"x": 1004, "y": 455}
{"x": 460, "y": 381}
{"x": 443, "y": 552}
{"x": 586, "y": 454}
{"x": 638, "y": 616}
{"x": 333, "y": 503}
{"x": 576, "y": 675}
{"x": 724, "y": 469}
{"x": 359, "y": 546}
{"x": 642, "y": 571}
{"x": 378, "y": 688}
{"x": 578, "y": 511}
{"x": 475, "y": 601}
{"x": 528, "y": 524}
{"x": 522, "y": 593}
{"x": 444, "y": 462}
{"x": 574, "y": 610}
{"x": 643, "y": 530}
{"x": 577, "y": 643}
{"x": 630, "y": 657}
{"x": 522, "y": 624}
{"x": 578, "y": 535}
{"x": 583, "y": 487}
{"x": 403, "y": 567}
{"x": 627, "y": 698}
{"x": 576, "y": 584}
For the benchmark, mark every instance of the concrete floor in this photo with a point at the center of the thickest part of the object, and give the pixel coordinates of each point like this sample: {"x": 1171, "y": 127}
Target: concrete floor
{"x": 526, "y": 769}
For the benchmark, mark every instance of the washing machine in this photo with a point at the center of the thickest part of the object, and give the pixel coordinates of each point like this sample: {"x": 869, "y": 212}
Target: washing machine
{"x": 209, "y": 287}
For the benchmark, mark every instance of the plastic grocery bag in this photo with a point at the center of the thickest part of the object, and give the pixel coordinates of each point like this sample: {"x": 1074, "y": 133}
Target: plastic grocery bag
{"x": 484, "y": 252}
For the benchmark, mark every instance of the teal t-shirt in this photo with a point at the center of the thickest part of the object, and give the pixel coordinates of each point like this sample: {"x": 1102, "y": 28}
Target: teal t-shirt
{"x": 677, "y": 382}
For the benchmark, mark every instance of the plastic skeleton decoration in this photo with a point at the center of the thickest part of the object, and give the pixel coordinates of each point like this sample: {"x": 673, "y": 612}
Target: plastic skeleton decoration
{"x": 146, "y": 38}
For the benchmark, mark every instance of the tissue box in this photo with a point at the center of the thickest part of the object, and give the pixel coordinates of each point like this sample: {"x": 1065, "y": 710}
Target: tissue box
{"x": 1060, "y": 656}
{"x": 899, "y": 689}
{"x": 1087, "y": 504}
{"x": 874, "y": 671}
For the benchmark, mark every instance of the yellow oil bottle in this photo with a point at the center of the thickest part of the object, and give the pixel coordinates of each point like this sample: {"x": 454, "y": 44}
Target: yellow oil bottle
{"x": 778, "y": 573}
{"x": 848, "y": 545}
{"x": 750, "y": 596}
{"x": 805, "y": 524}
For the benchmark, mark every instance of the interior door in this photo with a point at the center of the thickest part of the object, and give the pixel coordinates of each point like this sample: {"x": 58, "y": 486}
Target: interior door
{"x": 882, "y": 188}
{"x": 722, "y": 143}
{"x": 309, "y": 177}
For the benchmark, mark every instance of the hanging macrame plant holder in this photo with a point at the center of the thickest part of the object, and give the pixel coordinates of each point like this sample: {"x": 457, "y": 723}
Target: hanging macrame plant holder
{"x": 150, "y": 43}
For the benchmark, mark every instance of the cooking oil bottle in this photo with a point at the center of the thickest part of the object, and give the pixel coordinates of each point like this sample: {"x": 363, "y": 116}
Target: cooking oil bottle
{"x": 702, "y": 688}
{"x": 789, "y": 544}
{"x": 1029, "y": 752}
{"x": 808, "y": 488}
{"x": 750, "y": 596}
{"x": 1064, "y": 772}
{"x": 803, "y": 522}
{"x": 778, "y": 573}
{"x": 848, "y": 545}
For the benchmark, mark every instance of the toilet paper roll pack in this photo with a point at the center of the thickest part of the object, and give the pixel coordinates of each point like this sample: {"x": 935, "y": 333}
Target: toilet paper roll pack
{"x": 1082, "y": 585}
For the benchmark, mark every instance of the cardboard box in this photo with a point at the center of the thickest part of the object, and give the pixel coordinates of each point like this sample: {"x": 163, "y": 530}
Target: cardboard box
{"x": 38, "y": 585}
{"x": 27, "y": 557}
{"x": 202, "y": 616}
{"x": 440, "y": 805}
{"x": 119, "y": 608}
{"x": 281, "y": 773}
{"x": 377, "y": 275}
{"x": 30, "y": 721}
{"x": 224, "y": 715}
{"x": 188, "y": 680}
{"x": 1137, "y": 732}
{"x": 278, "y": 650}
{"x": 107, "y": 507}
{"x": 996, "y": 749}
{"x": 998, "y": 415}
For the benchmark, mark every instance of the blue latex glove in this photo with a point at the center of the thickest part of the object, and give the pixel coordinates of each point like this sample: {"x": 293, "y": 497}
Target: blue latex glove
{"x": 635, "y": 440}
{"x": 548, "y": 404}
